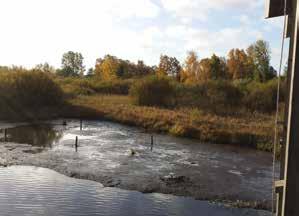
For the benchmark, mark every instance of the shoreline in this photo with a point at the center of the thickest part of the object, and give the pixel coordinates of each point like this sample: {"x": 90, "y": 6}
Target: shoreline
{"x": 254, "y": 131}
{"x": 249, "y": 131}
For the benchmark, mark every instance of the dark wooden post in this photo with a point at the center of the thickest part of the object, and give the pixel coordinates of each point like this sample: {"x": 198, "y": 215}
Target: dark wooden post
{"x": 80, "y": 124}
{"x": 152, "y": 142}
{"x": 76, "y": 144}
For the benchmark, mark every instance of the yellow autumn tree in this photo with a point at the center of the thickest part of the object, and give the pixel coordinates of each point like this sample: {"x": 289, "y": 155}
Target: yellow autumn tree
{"x": 107, "y": 68}
{"x": 191, "y": 69}
{"x": 239, "y": 65}
{"x": 205, "y": 69}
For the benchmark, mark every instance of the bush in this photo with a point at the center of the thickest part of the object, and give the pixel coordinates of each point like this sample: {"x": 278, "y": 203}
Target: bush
{"x": 153, "y": 91}
{"x": 27, "y": 90}
{"x": 223, "y": 93}
{"x": 76, "y": 86}
{"x": 120, "y": 87}
{"x": 262, "y": 96}
{"x": 216, "y": 96}
{"x": 89, "y": 86}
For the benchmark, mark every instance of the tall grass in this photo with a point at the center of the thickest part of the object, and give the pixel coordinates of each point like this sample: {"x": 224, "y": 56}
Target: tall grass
{"x": 88, "y": 86}
{"x": 27, "y": 91}
{"x": 215, "y": 96}
{"x": 153, "y": 91}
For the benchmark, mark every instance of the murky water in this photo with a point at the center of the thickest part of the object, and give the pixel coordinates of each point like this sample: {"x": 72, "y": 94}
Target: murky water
{"x": 204, "y": 171}
{"x": 42, "y": 135}
{"x": 31, "y": 191}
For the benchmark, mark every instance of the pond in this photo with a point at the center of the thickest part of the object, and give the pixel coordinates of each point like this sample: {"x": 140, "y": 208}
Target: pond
{"x": 120, "y": 156}
{"x": 37, "y": 191}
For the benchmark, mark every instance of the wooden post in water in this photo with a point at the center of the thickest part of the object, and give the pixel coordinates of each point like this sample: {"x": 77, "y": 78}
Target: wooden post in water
{"x": 76, "y": 144}
{"x": 152, "y": 142}
{"x": 80, "y": 124}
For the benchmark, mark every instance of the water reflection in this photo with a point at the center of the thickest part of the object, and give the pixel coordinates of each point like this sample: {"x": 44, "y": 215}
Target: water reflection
{"x": 42, "y": 135}
{"x": 104, "y": 153}
{"x": 38, "y": 191}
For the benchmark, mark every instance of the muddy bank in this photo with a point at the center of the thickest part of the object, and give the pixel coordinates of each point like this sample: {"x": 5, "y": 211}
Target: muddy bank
{"x": 120, "y": 156}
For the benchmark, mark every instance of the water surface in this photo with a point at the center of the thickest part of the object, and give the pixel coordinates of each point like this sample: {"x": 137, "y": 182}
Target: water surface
{"x": 104, "y": 154}
{"x": 31, "y": 191}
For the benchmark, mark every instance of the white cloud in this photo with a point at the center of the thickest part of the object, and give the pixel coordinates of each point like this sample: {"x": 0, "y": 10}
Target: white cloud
{"x": 200, "y": 9}
{"x": 35, "y": 31}
{"x": 245, "y": 20}
{"x": 237, "y": 4}
{"x": 138, "y": 8}
{"x": 176, "y": 40}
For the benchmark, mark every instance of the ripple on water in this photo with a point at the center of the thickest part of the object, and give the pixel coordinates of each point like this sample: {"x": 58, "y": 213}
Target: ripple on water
{"x": 38, "y": 191}
{"x": 105, "y": 150}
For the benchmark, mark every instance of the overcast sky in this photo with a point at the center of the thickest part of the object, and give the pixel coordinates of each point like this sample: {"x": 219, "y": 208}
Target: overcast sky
{"x": 37, "y": 31}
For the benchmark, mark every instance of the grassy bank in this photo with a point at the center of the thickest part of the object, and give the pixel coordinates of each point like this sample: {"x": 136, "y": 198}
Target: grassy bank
{"x": 248, "y": 130}
{"x": 212, "y": 111}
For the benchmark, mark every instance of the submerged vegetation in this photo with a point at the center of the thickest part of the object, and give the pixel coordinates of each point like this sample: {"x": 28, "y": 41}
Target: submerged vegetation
{"x": 214, "y": 99}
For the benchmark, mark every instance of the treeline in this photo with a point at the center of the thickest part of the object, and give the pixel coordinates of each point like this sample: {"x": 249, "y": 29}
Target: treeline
{"x": 243, "y": 80}
{"x": 250, "y": 64}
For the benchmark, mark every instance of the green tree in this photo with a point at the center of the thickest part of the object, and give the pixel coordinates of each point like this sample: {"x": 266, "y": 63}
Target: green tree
{"x": 170, "y": 66}
{"x": 46, "y": 68}
{"x": 218, "y": 67}
{"x": 72, "y": 64}
{"x": 141, "y": 69}
{"x": 259, "y": 53}
{"x": 90, "y": 72}
{"x": 213, "y": 68}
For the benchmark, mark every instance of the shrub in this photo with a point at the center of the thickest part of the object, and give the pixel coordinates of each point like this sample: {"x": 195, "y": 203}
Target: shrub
{"x": 216, "y": 96}
{"x": 22, "y": 90}
{"x": 191, "y": 95}
{"x": 261, "y": 96}
{"x": 89, "y": 86}
{"x": 153, "y": 91}
{"x": 120, "y": 87}
{"x": 79, "y": 87}
{"x": 223, "y": 93}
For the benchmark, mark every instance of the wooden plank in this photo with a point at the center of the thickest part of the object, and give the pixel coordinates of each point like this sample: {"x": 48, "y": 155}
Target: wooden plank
{"x": 275, "y": 8}
{"x": 288, "y": 30}
{"x": 280, "y": 191}
{"x": 279, "y": 183}
{"x": 291, "y": 172}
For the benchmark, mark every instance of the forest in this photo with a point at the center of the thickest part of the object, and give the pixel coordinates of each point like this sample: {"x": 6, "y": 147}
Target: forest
{"x": 228, "y": 100}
